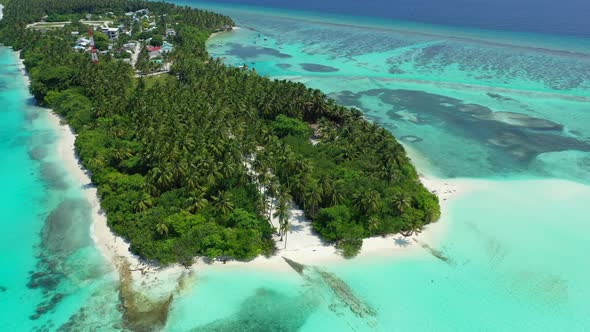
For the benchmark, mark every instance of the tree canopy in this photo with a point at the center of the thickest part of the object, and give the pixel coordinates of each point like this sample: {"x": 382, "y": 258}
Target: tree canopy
{"x": 180, "y": 161}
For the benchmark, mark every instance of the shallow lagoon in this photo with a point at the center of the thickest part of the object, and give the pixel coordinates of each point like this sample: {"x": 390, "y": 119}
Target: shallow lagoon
{"x": 52, "y": 275}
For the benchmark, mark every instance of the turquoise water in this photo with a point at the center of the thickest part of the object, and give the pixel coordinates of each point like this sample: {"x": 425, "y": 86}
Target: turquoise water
{"x": 52, "y": 275}
{"x": 507, "y": 114}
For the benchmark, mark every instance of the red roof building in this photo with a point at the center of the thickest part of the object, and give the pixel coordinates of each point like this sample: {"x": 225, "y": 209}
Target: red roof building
{"x": 153, "y": 48}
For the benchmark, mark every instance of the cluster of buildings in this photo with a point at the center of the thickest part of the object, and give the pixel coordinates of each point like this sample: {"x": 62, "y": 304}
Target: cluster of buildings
{"x": 139, "y": 14}
{"x": 157, "y": 51}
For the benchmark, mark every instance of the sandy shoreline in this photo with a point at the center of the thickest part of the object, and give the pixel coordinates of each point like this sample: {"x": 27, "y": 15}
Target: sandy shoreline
{"x": 305, "y": 247}
{"x": 215, "y": 34}
{"x": 114, "y": 248}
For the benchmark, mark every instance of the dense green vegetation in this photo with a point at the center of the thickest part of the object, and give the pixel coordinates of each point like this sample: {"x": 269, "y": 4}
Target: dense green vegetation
{"x": 180, "y": 161}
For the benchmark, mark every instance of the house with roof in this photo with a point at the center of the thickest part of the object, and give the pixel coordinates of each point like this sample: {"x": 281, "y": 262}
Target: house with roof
{"x": 170, "y": 33}
{"x": 154, "y": 51}
{"x": 84, "y": 42}
{"x": 112, "y": 33}
{"x": 155, "y": 54}
{"x": 129, "y": 46}
{"x": 167, "y": 47}
{"x": 144, "y": 11}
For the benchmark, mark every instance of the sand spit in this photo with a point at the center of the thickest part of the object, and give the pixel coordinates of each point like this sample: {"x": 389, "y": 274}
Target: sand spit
{"x": 306, "y": 248}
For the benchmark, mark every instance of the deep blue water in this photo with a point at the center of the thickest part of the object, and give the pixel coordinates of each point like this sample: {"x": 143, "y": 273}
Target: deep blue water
{"x": 565, "y": 17}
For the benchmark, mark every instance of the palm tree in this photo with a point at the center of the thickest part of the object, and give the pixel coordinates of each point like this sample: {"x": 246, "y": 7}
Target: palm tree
{"x": 160, "y": 177}
{"x": 286, "y": 229}
{"x": 121, "y": 153}
{"x": 283, "y": 214}
{"x": 372, "y": 200}
{"x": 223, "y": 202}
{"x": 401, "y": 202}
{"x": 196, "y": 201}
{"x": 144, "y": 203}
{"x": 313, "y": 197}
{"x": 349, "y": 152}
{"x": 367, "y": 202}
{"x": 387, "y": 173}
{"x": 335, "y": 196}
{"x": 193, "y": 182}
{"x": 270, "y": 192}
{"x": 325, "y": 186}
{"x": 162, "y": 229}
{"x": 414, "y": 227}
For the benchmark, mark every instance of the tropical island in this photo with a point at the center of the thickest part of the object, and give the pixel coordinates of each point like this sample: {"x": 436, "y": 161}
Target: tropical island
{"x": 194, "y": 158}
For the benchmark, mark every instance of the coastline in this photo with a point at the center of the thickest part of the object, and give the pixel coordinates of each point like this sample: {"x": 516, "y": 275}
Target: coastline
{"x": 215, "y": 34}
{"x": 114, "y": 249}
{"x": 307, "y": 248}
{"x": 507, "y": 253}
{"x": 303, "y": 247}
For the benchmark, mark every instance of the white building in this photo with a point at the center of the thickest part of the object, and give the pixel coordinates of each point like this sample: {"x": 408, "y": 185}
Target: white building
{"x": 112, "y": 33}
{"x": 144, "y": 11}
{"x": 170, "y": 33}
{"x": 83, "y": 42}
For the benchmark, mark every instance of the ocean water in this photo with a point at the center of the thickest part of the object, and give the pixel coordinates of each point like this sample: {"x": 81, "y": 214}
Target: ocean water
{"x": 505, "y": 113}
{"x": 567, "y": 17}
{"x": 51, "y": 275}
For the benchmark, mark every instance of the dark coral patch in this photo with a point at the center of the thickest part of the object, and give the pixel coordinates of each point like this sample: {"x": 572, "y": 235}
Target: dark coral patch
{"x": 316, "y": 68}
{"x": 251, "y": 52}
{"x": 259, "y": 313}
{"x": 517, "y": 136}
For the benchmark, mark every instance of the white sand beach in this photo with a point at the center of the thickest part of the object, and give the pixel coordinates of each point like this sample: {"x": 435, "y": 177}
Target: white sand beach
{"x": 114, "y": 248}
{"x": 305, "y": 247}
